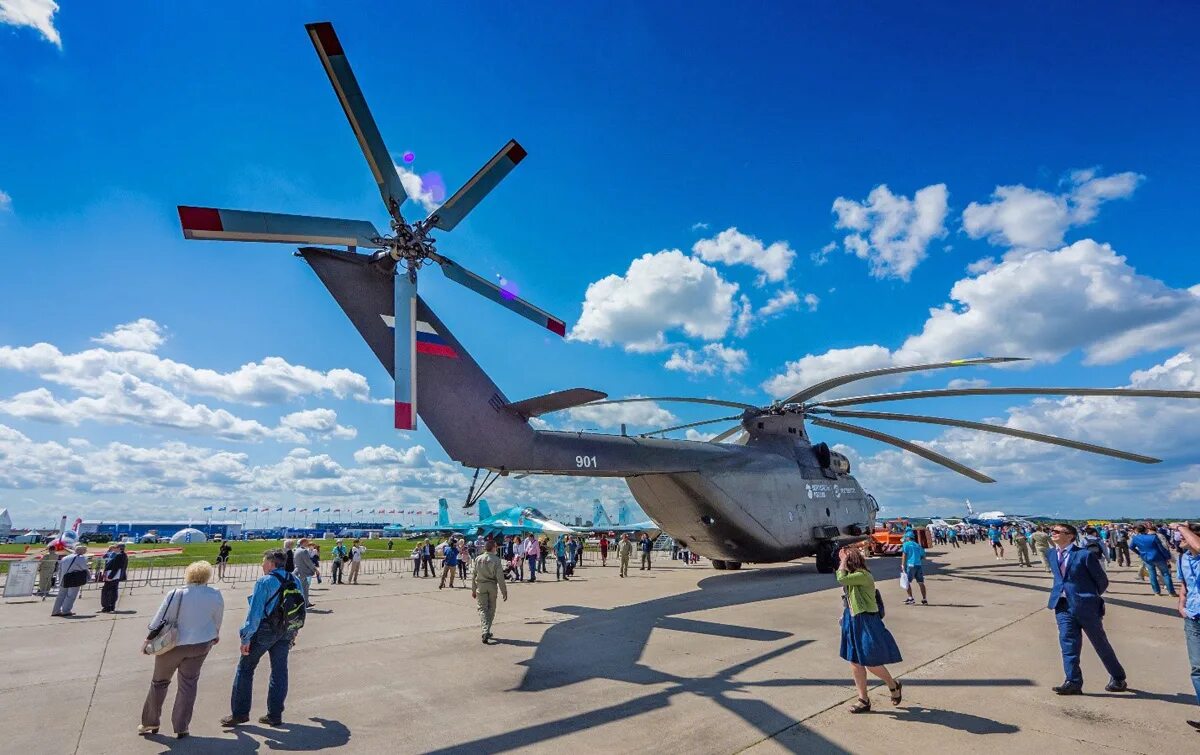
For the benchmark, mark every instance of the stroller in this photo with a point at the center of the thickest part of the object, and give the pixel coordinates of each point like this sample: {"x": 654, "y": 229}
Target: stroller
{"x": 512, "y": 569}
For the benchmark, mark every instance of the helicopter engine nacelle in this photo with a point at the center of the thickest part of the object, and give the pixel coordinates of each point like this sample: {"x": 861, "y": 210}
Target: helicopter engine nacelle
{"x": 839, "y": 463}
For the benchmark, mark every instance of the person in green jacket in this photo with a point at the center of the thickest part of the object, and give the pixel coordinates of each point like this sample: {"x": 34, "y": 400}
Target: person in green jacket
{"x": 866, "y": 642}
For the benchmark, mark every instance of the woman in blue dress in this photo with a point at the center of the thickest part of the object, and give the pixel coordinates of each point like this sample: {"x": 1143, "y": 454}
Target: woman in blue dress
{"x": 866, "y": 642}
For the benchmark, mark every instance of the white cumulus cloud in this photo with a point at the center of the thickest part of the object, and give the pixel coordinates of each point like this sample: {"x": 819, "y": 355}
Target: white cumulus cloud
{"x": 37, "y": 14}
{"x": 1024, "y": 218}
{"x": 635, "y": 414}
{"x": 708, "y": 360}
{"x": 5, "y": 202}
{"x": 732, "y": 247}
{"x": 891, "y": 231}
{"x": 660, "y": 292}
{"x": 142, "y": 334}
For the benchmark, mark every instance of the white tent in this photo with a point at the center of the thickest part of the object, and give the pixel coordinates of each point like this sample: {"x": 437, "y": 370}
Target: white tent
{"x": 188, "y": 535}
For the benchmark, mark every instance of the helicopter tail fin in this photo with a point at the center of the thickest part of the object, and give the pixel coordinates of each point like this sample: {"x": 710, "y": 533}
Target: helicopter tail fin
{"x": 463, "y": 408}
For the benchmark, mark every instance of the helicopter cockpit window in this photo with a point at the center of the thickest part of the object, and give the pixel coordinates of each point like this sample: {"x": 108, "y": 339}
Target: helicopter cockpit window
{"x": 874, "y": 504}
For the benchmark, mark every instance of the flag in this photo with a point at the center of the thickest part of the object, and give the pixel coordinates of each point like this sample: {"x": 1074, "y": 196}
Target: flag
{"x": 337, "y": 511}
{"x": 292, "y": 510}
{"x": 359, "y": 511}
{"x": 316, "y": 511}
{"x": 279, "y": 509}
{"x": 304, "y": 510}
{"x": 221, "y": 509}
{"x": 208, "y": 508}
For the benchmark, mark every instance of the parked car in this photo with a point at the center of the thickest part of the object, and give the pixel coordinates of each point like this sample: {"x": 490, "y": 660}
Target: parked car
{"x": 95, "y": 537}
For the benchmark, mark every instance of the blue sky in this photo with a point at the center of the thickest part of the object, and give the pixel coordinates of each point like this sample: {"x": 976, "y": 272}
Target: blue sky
{"x": 1059, "y": 145}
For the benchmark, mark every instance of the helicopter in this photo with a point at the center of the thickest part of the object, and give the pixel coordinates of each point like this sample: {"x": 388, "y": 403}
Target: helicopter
{"x": 770, "y": 495}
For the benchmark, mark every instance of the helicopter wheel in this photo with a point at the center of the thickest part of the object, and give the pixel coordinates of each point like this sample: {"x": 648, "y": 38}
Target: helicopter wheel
{"x": 718, "y": 565}
{"x": 826, "y": 558}
{"x": 733, "y": 565}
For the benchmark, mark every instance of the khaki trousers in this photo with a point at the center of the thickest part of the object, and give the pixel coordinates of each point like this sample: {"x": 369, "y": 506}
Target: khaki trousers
{"x": 624, "y": 566}
{"x": 354, "y": 566}
{"x": 448, "y": 570}
{"x": 485, "y": 599}
{"x": 187, "y": 660}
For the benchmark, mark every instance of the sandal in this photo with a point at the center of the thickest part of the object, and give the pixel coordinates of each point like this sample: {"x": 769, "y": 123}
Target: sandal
{"x": 897, "y": 692}
{"x": 863, "y": 706}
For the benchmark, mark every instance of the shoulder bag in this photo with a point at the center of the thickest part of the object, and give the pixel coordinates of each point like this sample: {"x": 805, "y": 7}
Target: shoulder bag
{"x": 165, "y": 636}
{"x": 76, "y": 577}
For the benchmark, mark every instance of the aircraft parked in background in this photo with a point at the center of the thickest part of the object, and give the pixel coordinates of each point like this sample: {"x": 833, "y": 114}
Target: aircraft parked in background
{"x": 602, "y": 522}
{"x": 443, "y": 522}
{"x": 993, "y": 518}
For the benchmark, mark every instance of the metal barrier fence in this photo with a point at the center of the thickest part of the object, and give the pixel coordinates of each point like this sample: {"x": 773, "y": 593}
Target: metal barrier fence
{"x": 154, "y": 573}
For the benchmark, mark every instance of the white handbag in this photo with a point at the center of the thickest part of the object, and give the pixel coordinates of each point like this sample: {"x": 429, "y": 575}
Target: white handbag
{"x": 165, "y": 636}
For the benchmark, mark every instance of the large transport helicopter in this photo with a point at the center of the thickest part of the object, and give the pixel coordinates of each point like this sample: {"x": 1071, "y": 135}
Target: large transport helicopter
{"x": 772, "y": 495}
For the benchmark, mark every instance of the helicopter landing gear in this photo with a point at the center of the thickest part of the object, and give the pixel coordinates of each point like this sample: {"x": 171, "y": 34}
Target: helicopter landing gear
{"x": 718, "y": 565}
{"x": 826, "y": 558}
{"x": 733, "y": 565}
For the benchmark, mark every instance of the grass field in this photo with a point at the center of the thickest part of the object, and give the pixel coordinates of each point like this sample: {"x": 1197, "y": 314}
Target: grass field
{"x": 244, "y": 551}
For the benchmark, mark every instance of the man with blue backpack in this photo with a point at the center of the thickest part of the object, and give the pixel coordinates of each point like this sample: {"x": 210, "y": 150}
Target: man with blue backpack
{"x": 277, "y": 611}
{"x": 1156, "y": 557}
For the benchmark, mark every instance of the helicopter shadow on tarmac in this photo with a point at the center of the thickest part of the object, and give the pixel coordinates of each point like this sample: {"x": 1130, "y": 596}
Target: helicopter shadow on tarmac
{"x": 609, "y": 644}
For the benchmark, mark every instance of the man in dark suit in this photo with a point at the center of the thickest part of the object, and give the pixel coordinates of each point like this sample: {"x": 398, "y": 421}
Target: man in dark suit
{"x": 1079, "y": 581}
{"x": 114, "y": 575}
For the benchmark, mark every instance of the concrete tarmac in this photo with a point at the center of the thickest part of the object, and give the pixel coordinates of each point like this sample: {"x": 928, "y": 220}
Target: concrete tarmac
{"x": 679, "y": 659}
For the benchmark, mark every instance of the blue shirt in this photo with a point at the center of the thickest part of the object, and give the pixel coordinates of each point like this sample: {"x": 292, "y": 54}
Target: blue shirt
{"x": 913, "y": 553}
{"x": 994, "y": 534}
{"x": 262, "y": 602}
{"x": 451, "y": 555}
{"x": 1148, "y": 547}
{"x": 1189, "y": 575}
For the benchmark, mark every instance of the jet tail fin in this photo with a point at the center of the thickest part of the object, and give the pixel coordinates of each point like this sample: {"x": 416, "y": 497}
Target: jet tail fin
{"x": 443, "y": 512}
{"x": 599, "y": 515}
{"x": 485, "y": 510}
{"x": 460, "y": 404}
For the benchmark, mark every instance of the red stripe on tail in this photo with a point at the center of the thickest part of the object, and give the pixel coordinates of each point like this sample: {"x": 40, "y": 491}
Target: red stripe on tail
{"x": 517, "y": 153}
{"x": 558, "y": 326}
{"x": 200, "y": 219}
{"x": 404, "y": 416}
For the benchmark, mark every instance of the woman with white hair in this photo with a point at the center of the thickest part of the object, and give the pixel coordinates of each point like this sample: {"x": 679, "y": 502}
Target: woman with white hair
{"x": 196, "y": 611}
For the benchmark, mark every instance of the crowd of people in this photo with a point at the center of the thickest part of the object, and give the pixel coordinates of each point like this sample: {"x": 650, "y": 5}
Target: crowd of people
{"x": 1078, "y": 559}
{"x": 188, "y": 622}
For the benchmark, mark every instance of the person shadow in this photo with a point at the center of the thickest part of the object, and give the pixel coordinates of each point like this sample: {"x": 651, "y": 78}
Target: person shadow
{"x": 288, "y": 736}
{"x": 965, "y": 722}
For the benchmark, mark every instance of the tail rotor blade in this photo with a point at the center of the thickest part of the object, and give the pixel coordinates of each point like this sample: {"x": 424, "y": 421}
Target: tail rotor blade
{"x": 487, "y": 289}
{"x": 337, "y": 66}
{"x": 472, "y": 192}
{"x": 240, "y": 225}
{"x": 921, "y": 451}
{"x": 404, "y": 335}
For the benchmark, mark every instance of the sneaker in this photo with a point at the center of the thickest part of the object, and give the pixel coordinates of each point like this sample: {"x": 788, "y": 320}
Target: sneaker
{"x": 910, "y": 602}
{"x": 924, "y": 602}
{"x": 1194, "y": 724}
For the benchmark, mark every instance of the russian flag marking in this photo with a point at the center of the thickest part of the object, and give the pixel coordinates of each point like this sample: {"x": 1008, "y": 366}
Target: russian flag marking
{"x": 404, "y": 416}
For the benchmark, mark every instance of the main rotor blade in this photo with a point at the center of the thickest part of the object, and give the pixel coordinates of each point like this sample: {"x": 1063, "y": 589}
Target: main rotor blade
{"x": 933, "y": 456}
{"x": 486, "y": 288}
{"x": 681, "y": 399}
{"x": 405, "y": 341}
{"x": 722, "y": 436}
{"x": 940, "y": 392}
{"x": 692, "y": 424}
{"x": 240, "y": 225}
{"x": 472, "y": 192}
{"x": 1000, "y": 429}
{"x": 337, "y": 66}
{"x": 828, "y": 385}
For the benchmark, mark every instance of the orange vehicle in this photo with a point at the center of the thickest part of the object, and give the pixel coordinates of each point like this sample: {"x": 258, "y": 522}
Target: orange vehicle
{"x": 888, "y": 537}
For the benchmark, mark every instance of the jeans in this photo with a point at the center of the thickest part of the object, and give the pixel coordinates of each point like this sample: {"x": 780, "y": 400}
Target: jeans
{"x": 560, "y": 567}
{"x": 335, "y": 570}
{"x": 1070, "y": 627}
{"x": 1155, "y": 568}
{"x": 1191, "y": 631}
{"x": 532, "y": 567}
{"x": 266, "y": 641}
